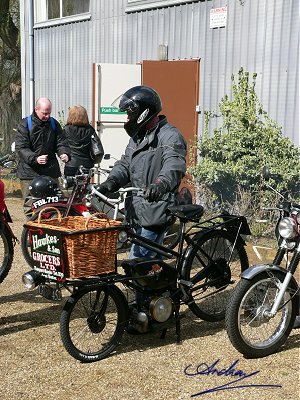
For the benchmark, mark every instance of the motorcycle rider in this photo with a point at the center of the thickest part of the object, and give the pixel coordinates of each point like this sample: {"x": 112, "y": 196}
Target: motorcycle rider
{"x": 154, "y": 160}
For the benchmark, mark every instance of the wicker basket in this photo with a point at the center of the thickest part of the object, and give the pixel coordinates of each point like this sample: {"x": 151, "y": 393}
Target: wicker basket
{"x": 91, "y": 251}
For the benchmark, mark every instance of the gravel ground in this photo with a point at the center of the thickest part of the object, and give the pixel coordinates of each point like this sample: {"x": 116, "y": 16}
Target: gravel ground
{"x": 35, "y": 365}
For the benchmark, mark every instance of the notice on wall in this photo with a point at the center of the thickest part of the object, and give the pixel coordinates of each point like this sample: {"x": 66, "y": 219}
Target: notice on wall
{"x": 218, "y": 17}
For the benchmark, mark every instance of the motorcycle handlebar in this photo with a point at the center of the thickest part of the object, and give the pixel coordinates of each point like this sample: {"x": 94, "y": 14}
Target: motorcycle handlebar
{"x": 122, "y": 191}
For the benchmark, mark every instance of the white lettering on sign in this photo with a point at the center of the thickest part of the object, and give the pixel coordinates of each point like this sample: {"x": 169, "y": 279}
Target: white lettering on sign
{"x": 218, "y": 17}
{"x": 46, "y": 258}
{"x": 37, "y": 243}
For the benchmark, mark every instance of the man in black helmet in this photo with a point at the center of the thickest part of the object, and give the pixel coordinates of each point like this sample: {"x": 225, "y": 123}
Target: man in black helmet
{"x": 154, "y": 160}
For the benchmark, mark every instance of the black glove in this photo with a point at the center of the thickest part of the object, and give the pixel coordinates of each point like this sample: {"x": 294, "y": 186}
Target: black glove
{"x": 156, "y": 191}
{"x": 108, "y": 186}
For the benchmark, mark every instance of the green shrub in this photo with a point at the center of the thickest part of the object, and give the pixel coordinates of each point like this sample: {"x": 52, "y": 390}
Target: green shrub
{"x": 230, "y": 162}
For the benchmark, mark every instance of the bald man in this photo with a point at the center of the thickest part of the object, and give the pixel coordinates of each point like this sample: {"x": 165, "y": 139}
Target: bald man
{"x": 39, "y": 139}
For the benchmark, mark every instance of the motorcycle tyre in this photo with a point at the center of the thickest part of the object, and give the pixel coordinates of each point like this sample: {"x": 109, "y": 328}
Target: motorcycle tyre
{"x": 232, "y": 319}
{"x": 87, "y": 357}
{"x": 7, "y": 257}
{"x": 242, "y": 255}
{"x": 24, "y": 235}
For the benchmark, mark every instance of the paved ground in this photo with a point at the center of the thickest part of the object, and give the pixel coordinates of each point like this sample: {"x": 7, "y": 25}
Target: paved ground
{"x": 35, "y": 365}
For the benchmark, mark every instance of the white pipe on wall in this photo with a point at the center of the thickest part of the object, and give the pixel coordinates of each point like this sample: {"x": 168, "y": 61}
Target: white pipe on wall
{"x": 31, "y": 55}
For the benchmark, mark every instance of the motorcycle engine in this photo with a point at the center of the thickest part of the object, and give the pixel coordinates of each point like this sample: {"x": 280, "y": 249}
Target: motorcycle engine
{"x": 161, "y": 308}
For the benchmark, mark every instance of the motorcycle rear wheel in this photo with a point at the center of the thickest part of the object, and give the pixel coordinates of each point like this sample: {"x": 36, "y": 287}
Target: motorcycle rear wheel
{"x": 6, "y": 252}
{"x": 93, "y": 322}
{"x": 227, "y": 258}
{"x": 250, "y": 331}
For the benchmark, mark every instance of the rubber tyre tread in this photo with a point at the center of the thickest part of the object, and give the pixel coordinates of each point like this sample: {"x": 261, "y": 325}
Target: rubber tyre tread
{"x": 231, "y": 320}
{"x": 122, "y": 308}
{"x": 7, "y": 240}
{"x": 244, "y": 265}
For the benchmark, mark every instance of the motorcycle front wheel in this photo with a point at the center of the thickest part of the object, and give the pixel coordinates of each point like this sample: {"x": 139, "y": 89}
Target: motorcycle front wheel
{"x": 93, "y": 322}
{"x": 214, "y": 267}
{"x": 6, "y": 252}
{"x": 251, "y": 331}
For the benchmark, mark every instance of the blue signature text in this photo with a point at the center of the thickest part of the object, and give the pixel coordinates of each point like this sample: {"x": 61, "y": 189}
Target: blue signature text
{"x": 232, "y": 371}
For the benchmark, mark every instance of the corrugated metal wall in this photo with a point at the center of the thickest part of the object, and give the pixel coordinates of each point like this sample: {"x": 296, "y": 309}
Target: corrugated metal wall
{"x": 261, "y": 36}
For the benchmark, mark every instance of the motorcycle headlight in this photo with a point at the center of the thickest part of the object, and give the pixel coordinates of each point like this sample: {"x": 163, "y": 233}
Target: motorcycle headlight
{"x": 287, "y": 228}
{"x": 32, "y": 279}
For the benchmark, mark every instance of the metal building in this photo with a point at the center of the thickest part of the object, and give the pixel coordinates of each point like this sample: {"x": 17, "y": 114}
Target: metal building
{"x": 261, "y": 36}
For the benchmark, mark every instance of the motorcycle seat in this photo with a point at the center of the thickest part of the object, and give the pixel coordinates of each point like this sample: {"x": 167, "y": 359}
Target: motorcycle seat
{"x": 187, "y": 212}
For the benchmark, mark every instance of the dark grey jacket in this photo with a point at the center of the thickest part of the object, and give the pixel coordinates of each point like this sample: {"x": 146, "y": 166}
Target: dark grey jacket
{"x": 161, "y": 154}
{"x": 42, "y": 139}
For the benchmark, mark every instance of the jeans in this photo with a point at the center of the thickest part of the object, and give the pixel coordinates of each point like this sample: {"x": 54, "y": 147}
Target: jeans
{"x": 137, "y": 251}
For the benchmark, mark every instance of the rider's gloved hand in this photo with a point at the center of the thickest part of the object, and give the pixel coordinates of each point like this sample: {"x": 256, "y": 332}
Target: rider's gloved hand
{"x": 156, "y": 191}
{"x": 108, "y": 186}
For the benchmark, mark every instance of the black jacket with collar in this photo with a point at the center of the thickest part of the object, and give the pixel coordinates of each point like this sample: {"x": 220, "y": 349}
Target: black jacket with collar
{"x": 160, "y": 154}
{"x": 41, "y": 139}
{"x": 79, "y": 139}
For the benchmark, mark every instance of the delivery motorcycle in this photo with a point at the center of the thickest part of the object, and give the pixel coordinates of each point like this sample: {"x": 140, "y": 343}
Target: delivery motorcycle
{"x": 79, "y": 254}
{"x": 262, "y": 309}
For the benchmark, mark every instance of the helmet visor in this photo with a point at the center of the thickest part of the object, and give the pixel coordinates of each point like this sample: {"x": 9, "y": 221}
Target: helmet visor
{"x": 125, "y": 104}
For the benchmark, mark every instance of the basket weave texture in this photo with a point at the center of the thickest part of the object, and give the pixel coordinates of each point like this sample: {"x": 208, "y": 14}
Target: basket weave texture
{"x": 86, "y": 253}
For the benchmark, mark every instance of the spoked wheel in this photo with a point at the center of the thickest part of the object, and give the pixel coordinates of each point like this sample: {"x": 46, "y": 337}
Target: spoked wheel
{"x": 25, "y": 239}
{"x": 250, "y": 329}
{"x": 214, "y": 267}
{"x": 6, "y": 252}
{"x": 93, "y": 322}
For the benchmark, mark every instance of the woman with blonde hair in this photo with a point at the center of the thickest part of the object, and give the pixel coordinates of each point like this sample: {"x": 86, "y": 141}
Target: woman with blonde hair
{"x": 80, "y": 135}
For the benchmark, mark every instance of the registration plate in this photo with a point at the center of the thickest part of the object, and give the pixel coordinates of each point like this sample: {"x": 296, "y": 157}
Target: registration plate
{"x": 50, "y": 293}
{"x": 46, "y": 200}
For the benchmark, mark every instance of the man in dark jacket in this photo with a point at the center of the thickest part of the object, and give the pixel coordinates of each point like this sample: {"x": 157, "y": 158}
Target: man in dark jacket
{"x": 37, "y": 144}
{"x": 154, "y": 160}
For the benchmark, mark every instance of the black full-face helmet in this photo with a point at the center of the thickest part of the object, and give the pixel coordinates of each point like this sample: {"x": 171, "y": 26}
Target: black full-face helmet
{"x": 141, "y": 103}
{"x": 43, "y": 186}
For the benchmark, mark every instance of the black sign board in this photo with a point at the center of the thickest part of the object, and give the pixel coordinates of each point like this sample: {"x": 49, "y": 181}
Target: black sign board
{"x": 47, "y": 252}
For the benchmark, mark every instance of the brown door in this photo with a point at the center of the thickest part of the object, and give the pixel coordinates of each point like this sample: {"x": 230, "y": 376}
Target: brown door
{"x": 177, "y": 82}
